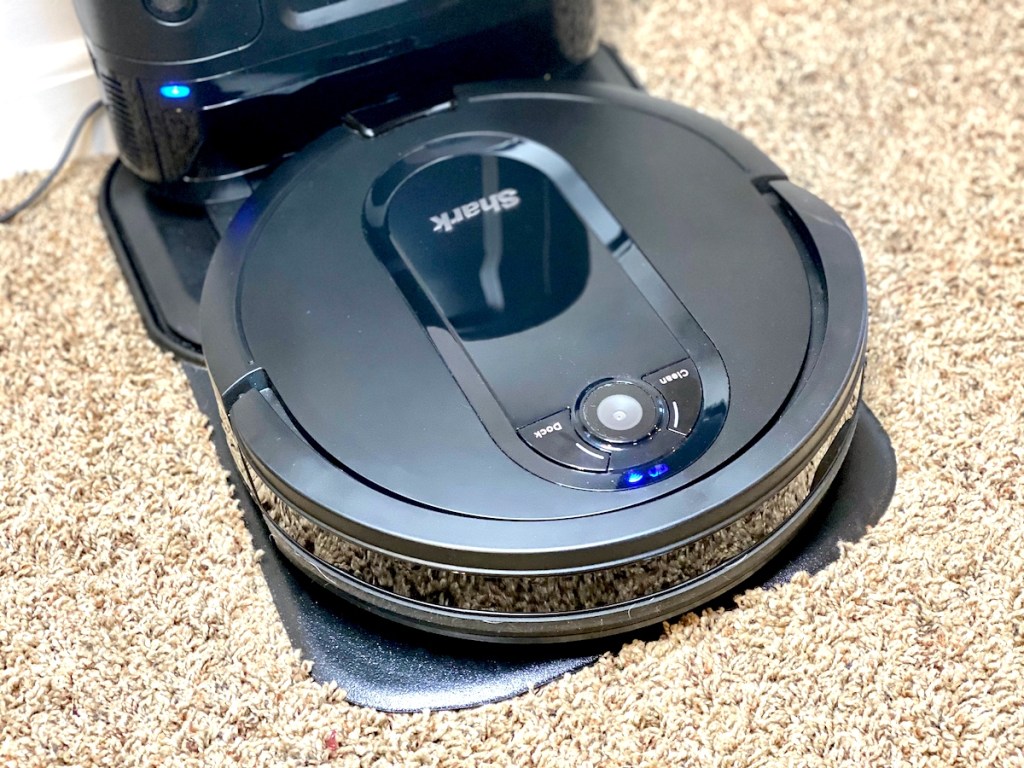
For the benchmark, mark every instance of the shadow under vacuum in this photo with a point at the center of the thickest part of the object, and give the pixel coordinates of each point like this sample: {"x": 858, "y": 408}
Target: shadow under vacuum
{"x": 397, "y": 669}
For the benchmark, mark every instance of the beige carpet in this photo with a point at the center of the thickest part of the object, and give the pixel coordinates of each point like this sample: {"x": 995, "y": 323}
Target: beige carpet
{"x": 136, "y": 629}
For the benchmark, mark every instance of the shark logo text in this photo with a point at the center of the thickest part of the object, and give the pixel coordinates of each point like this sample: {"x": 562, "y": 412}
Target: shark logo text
{"x": 505, "y": 200}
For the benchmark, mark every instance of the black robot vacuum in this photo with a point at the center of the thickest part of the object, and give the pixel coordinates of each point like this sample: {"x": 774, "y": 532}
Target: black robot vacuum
{"x": 504, "y": 348}
{"x": 544, "y": 362}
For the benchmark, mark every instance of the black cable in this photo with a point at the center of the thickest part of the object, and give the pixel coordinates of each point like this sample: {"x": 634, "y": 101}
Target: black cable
{"x": 41, "y": 187}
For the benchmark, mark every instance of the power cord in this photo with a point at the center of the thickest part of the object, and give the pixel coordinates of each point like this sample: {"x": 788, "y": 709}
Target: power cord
{"x": 41, "y": 187}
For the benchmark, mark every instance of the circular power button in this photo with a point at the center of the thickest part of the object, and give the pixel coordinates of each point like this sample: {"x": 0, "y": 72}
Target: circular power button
{"x": 619, "y": 412}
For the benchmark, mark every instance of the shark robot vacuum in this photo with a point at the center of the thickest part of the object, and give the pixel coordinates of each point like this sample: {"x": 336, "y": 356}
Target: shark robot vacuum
{"x": 544, "y": 362}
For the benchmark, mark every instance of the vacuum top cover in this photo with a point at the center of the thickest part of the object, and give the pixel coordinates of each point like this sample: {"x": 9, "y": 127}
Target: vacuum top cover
{"x": 579, "y": 309}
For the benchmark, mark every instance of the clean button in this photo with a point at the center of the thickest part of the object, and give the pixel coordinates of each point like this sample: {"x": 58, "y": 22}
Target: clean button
{"x": 679, "y": 384}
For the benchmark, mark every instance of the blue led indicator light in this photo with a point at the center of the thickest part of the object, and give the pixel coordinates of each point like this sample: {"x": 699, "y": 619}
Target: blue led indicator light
{"x": 634, "y": 477}
{"x": 657, "y": 470}
{"x": 175, "y": 91}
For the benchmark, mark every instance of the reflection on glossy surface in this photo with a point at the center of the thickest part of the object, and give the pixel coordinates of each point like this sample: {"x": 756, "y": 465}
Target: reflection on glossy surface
{"x": 492, "y": 241}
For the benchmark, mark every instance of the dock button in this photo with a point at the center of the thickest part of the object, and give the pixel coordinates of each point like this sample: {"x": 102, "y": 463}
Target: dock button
{"x": 680, "y": 385}
{"x": 554, "y": 438}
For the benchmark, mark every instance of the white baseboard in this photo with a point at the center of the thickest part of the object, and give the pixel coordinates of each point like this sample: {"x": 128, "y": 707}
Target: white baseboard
{"x": 55, "y": 84}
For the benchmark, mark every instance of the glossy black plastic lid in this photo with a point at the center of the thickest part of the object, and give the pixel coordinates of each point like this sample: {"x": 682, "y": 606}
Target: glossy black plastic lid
{"x": 532, "y": 293}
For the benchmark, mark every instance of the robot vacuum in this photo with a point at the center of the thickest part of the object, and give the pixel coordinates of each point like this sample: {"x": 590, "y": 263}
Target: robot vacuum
{"x": 542, "y": 363}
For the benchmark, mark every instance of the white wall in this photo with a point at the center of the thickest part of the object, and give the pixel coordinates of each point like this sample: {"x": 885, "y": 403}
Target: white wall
{"x": 49, "y": 81}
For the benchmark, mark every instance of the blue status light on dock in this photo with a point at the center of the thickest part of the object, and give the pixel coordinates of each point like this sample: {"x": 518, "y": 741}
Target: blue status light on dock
{"x": 175, "y": 91}
{"x": 634, "y": 476}
{"x": 657, "y": 470}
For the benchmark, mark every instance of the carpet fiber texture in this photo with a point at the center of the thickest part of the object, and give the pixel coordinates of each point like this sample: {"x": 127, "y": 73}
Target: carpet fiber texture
{"x": 136, "y": 628}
